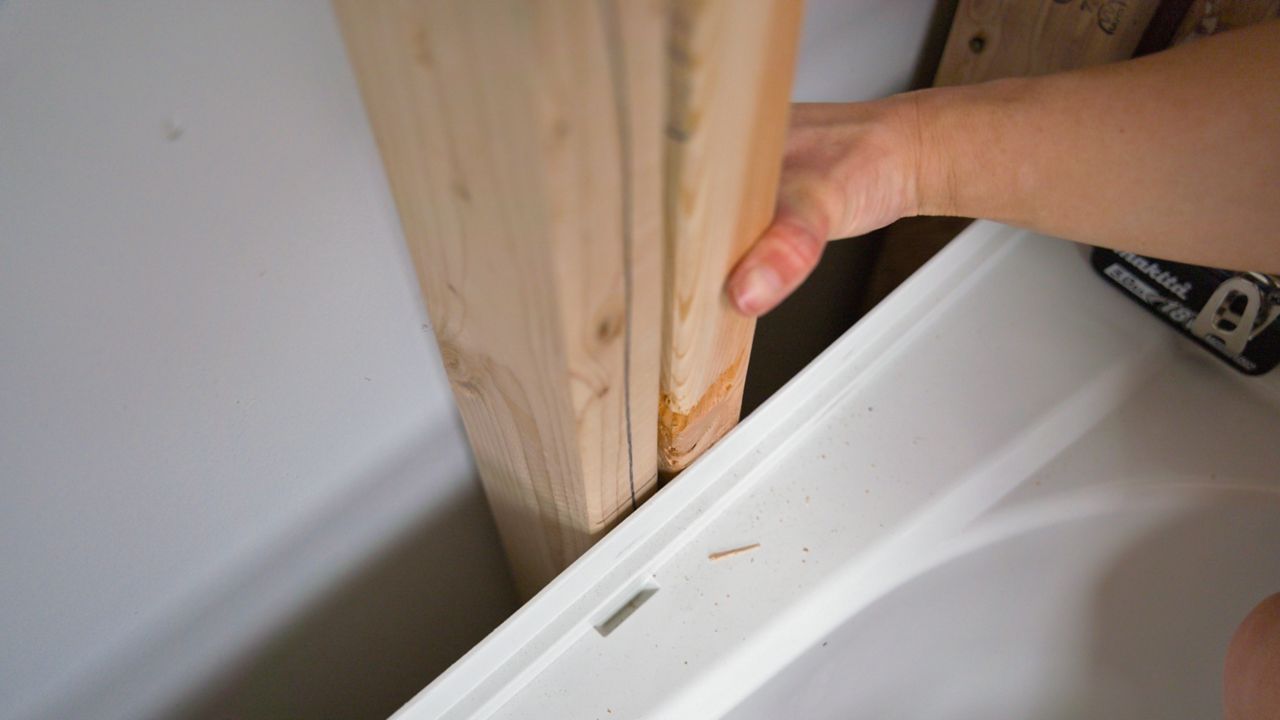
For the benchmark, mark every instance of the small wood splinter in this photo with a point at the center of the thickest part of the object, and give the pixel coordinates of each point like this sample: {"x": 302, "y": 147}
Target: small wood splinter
{"x": 730, "y": 553}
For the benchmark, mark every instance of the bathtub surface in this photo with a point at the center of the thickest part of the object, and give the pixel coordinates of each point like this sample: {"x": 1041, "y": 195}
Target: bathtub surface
{"x": 1007, "y": 492}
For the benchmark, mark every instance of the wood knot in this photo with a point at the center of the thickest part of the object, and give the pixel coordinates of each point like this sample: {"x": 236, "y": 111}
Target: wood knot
{"x": 461, "y": 192}
{"x": 421, "y": 45}
{"x": 458, "y": 369}
{"x": 610, "y": 327}
{"x": 560, "y": 131}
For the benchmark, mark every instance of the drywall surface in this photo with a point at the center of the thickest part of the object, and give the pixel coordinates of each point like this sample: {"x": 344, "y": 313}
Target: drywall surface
{"x": 231, "y": 478}
{"x": 220, "y": 403}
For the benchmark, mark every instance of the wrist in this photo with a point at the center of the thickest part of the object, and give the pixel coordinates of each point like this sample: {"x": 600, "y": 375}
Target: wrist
{"x": 899, "y": 124}
{"x": 960, "y": 165}
{"x": 924, "y": 151}
{"x": 930, "y": 159}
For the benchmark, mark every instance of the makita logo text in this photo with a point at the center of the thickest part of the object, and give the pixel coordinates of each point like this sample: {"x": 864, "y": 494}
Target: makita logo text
{"x": 1152, "y": 269}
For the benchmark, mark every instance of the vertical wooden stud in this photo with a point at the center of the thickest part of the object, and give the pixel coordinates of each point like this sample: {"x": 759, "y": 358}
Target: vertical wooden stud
{"x": 1209, "y": 17}
{"x": 992, "y": 39}
{"x": 522, "y": 141}
{"x": 731, "y": 66}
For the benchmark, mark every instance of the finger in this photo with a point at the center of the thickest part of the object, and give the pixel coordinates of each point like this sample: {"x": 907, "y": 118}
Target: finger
{"x": 779, "y": 261}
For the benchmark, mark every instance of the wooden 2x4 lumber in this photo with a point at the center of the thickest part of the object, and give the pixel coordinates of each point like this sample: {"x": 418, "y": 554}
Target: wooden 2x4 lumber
{"x": 1208, "y": 17}
{"x": 522, "y": 141}
{"x": 992, "y": 39}
{"x": 731, "y": 67}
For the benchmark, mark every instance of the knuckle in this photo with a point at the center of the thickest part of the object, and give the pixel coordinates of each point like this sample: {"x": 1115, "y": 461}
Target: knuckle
{"x": 798, "y": 249}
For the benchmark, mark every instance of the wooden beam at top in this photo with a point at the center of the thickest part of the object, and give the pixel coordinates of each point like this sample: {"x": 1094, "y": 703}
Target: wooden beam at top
{"x": 522, "y": 141}
{"x": 731, "y": 66}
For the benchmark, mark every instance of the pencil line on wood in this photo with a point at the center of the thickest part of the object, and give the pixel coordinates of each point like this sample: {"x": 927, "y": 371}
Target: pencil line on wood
{"x": 618, "y": 70}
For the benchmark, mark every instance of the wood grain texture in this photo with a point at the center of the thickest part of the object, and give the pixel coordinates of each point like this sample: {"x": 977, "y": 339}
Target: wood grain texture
{"x": 523, "y": 145}
{"x": 993, "y": 39}
{"x": 1207, "y": 17}
{"x": 731, "y": 66}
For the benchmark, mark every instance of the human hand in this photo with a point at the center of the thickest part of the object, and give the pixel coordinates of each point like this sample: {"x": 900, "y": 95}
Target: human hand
{"x": 847, "y": 169}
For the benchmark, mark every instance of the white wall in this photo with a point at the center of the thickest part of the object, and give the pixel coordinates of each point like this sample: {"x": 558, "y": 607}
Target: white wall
{"x": 860, "y": 49}
{"x": 217, "y": 391}
{"x": 231, "y": 478}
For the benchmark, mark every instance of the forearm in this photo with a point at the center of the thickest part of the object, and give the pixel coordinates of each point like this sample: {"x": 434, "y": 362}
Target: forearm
{"x": 1175, "y": 155}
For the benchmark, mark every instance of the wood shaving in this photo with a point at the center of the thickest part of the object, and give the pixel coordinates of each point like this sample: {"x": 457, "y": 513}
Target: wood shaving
{"x": 721, "y": 555}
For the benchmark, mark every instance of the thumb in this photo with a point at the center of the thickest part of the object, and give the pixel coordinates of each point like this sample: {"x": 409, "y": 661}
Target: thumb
{"x": 780, "y": 260}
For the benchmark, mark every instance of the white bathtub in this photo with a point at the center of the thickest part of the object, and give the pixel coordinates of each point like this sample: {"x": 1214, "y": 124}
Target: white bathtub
{"x": 1008, "y": 492}
{"x": 1112, "y": 604}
